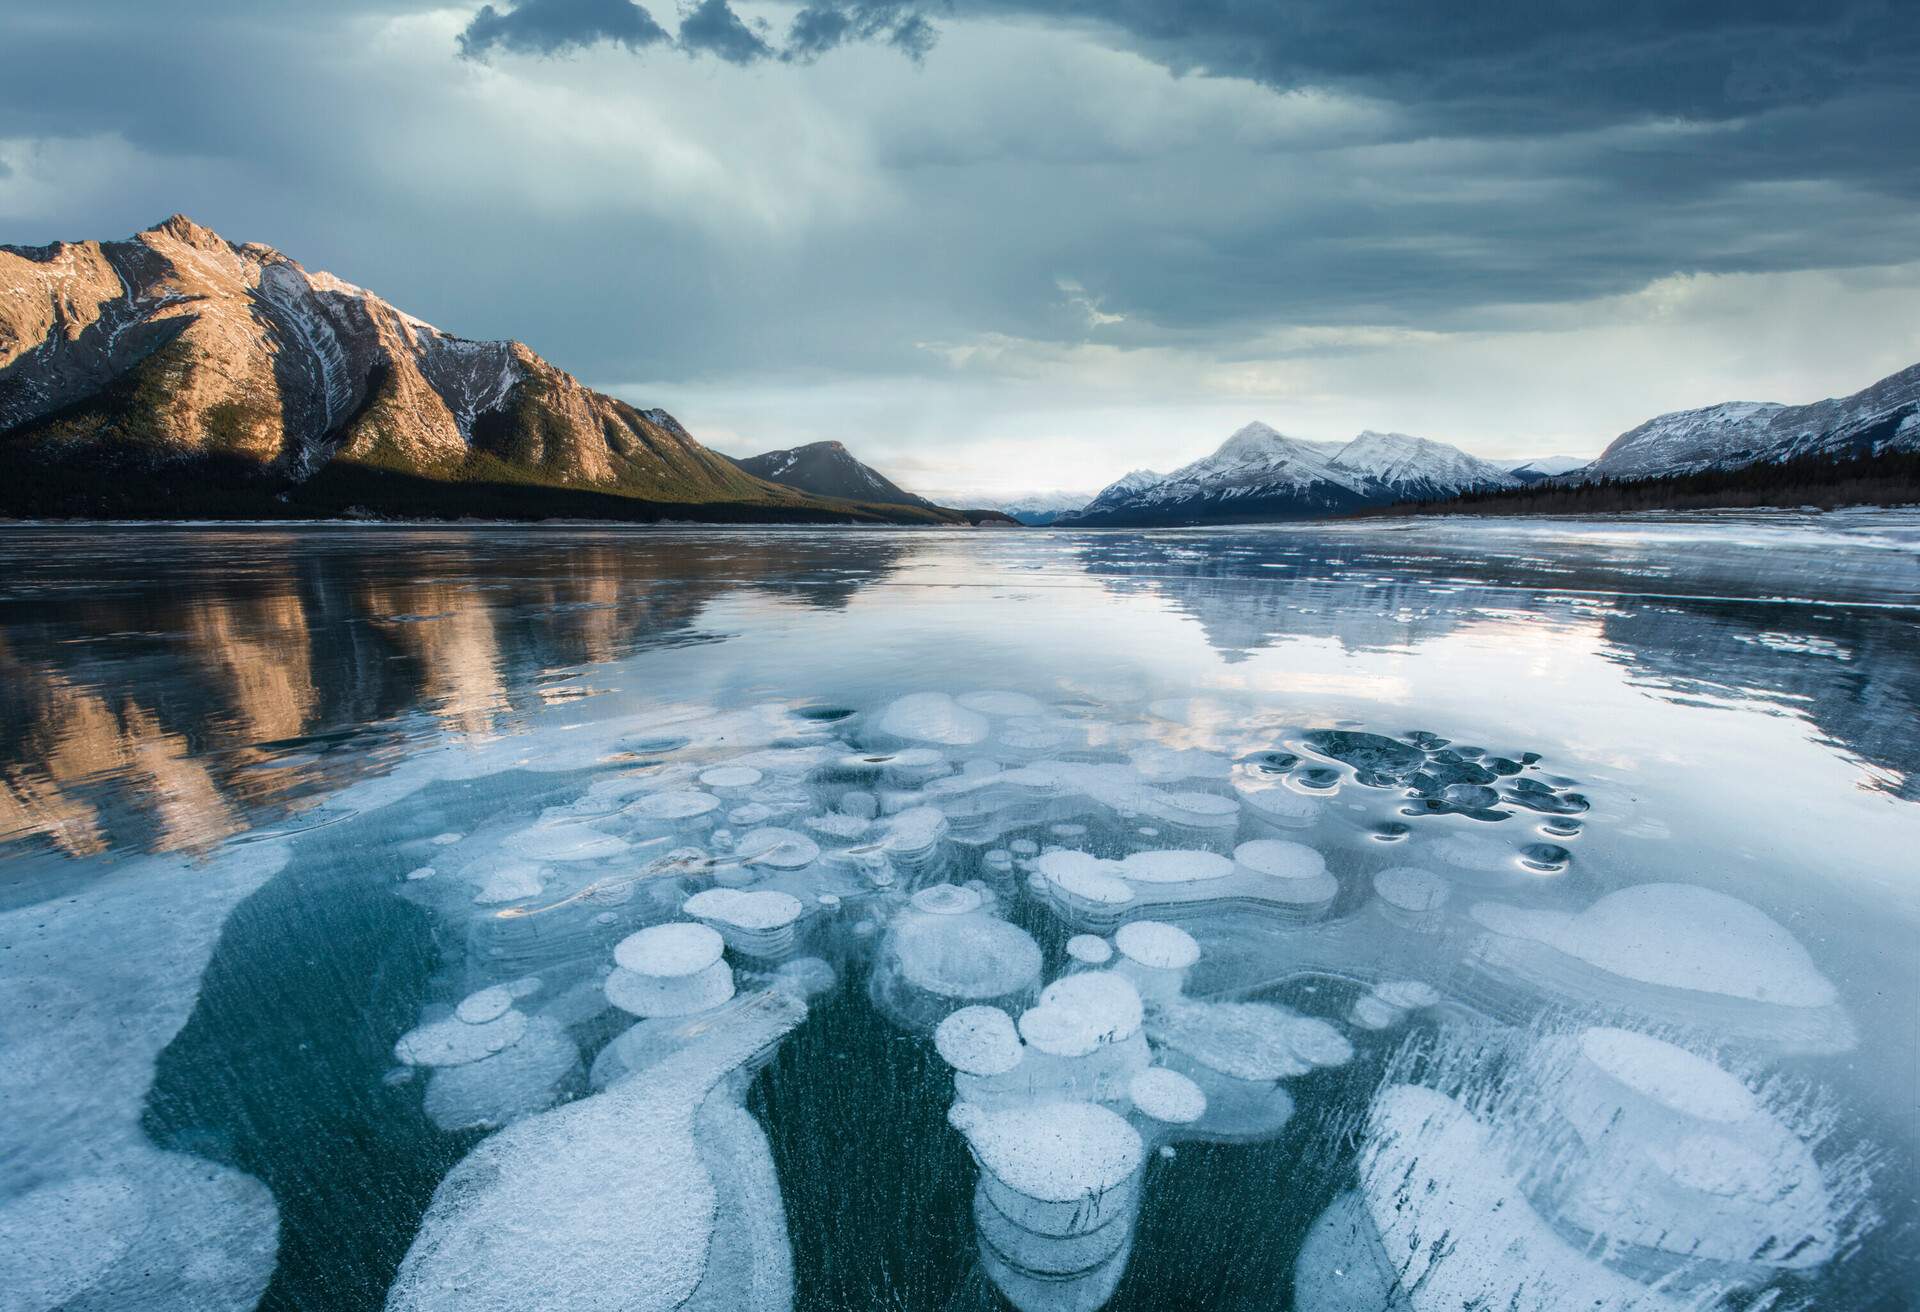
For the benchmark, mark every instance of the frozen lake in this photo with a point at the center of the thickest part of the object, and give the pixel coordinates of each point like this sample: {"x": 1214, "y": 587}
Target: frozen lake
{"x": 1412, "y": 916}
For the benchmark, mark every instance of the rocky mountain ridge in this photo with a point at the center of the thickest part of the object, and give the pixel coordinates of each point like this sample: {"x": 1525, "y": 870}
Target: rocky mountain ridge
{"x": 1884, "y": 416}
{"x": 179, "y": 373}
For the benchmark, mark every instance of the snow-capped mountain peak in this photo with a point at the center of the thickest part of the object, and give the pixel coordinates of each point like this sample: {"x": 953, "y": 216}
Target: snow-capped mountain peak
{"x": 1419, "y": 466}
{"x": 1132, "y": 481}
{"x": 1262, "y": 473}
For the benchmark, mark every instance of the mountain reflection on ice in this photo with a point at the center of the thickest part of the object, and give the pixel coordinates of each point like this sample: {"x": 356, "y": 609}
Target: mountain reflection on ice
{"x": 1331, "y": 917}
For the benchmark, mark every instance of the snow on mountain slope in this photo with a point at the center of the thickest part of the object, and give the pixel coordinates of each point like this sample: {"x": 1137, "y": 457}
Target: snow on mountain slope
{"x": 1260, "y": 473}
{"x": 1418, "y": 468}
{"x": 1255, "y": 458}
{"x": 1885, "y": 416}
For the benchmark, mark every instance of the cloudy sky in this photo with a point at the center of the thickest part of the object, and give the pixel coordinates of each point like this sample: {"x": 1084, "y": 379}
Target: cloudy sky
{"x": 998, "y": 245}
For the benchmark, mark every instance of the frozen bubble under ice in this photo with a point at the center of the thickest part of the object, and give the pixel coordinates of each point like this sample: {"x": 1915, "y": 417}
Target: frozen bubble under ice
{"x": 781, "y": 849}
{"x": 563, "y": 840}
{"x": 675, "y": 969}
{"x": 932, "y": 717}
{"x": 1167, "y": 1096}
{"x": 1280, "y": 859}
{"x": 527, "y": 1077}
{"x": 1002, "y": 703}
{"x": 454, "y": 1042}
{"x": 1278, "y": 805}
{"x": 676, "y": 804}
{"x": 677, "y": 949}
{"x": 947, "y": 900}
{"x": 1668, "y": 1074}
{"x": 1174, "y": 866}
{"x": 978, "y": 1041}
{"x": 1156, "y": 945}
{"x": 1089, "y": 949}
{"x": 488, "y": 1004}
{"x": 1683, "y": 937}
{"x": 756, "y": 909}
{"x": 1078, "y": 1014}
{"x": 1411, "y": 890}
{"x": 1063, "y": 1152}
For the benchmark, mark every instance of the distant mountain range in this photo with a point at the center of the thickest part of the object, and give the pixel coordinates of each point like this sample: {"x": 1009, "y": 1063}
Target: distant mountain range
{"x": 1543, "y": 467}
{"x": 1262, "y": 475}
{"x": 178, "y": 374}
{"x": 1259, "y": 474}
{"x": 1034, "y": 509}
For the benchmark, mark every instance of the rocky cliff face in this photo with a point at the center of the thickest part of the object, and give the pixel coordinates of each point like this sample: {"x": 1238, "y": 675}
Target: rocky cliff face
{"x": 160, "y": 372}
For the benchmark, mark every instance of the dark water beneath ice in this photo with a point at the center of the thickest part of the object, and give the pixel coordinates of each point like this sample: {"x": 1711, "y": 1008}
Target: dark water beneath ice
{"x": 223, "y": 752}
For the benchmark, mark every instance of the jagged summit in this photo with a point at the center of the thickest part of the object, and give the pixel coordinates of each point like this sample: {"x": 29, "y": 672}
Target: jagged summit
{"x": 181, "y": 228}
{"x": 177, "y": 372}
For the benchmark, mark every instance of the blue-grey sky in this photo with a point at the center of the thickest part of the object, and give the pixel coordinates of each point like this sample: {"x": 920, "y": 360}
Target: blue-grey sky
{"x": 1000, "y": 245}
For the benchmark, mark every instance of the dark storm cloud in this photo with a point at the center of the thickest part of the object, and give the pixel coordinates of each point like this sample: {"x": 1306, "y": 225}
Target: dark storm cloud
{"x": 550, "y": 27}
{"x": 1508, "y": 66}
{"x": 1512, "y": 156}
{"x": 713, "y": 28}
{"x": 828, "y": 24}
{"x": 1528, "y": 65}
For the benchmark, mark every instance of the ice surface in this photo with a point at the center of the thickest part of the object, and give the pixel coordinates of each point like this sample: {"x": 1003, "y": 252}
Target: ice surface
{"x": 91, "y": 1212}
{"x": 1051, "y": 908}
{"x": 606, "y": 1203}
{"x": 1455, "y": 1230}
